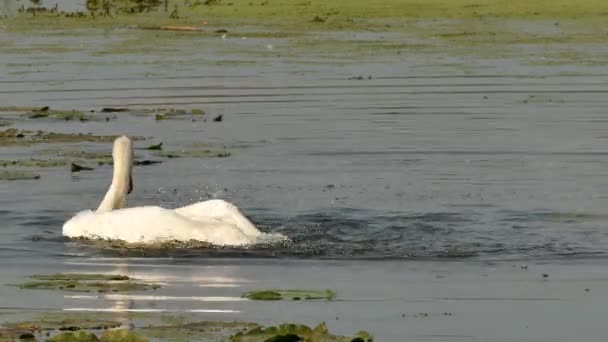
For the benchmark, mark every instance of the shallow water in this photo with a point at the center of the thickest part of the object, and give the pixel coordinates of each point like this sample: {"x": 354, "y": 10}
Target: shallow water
{"x": 405, "y": 164}
{"x": 464, "y": 161}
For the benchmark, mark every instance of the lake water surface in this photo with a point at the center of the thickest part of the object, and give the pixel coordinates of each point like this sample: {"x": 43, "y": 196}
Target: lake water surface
{"x": 433, "y": 157}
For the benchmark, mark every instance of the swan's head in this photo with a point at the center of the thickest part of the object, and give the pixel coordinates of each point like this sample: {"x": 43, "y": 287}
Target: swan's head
{"x": 122, "y": 180}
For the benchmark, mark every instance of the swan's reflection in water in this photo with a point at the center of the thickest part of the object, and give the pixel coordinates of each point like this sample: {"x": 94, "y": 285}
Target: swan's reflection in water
{"x": 123, "y": 306}
{"x": 183, "y": 290}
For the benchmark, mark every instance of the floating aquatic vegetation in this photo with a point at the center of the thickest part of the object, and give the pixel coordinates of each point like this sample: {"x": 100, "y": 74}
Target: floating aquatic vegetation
{"x": 114, "y": 110}
{"x": 16, "y": 137}
{"x": 12, "y": 175}
{"x": 16, "y": 109}
{"x": 172, "y": 113}
{"x": 65, "y": 322}
{"x": 86, "y": 283}
{"x": 197, "y": 331}
{"x": 194, "y": 154}
{"x": 291, "y": 295}
{"x": 155, "y": 147}
{"x": 77, "y": 168}
{"x": 79, "y": 336}
{"x": 121, "y": 335}
{"x": 79, "y": 276}
{"x": 10, "y": 334}
{"x": 67, "y": 115}
{"x": 33, "y": 163}
{"x": 103, "y": 327}
{"x": 297, "y": 332}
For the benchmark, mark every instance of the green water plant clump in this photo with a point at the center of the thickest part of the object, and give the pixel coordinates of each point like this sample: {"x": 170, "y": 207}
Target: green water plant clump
{"x": 13, "y": 175}
{"x": 67, "y": 115}
{"x": 64, "y": 322}
{"x": 79, "y": 336}
{"x": 117, "y": 335}
{"x": 291, "y": 295}
{"x": 16, "y": 137}
{"x": 297, "y": 332}
{"x": 196, "y": 331}
{"x": 86, "y": 283}
{"x": 194, "y": 154}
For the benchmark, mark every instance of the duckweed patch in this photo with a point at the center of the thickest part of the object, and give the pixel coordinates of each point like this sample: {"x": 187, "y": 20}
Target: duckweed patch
{"x": 86, "y": 283}
{"x": 291, "y": 295}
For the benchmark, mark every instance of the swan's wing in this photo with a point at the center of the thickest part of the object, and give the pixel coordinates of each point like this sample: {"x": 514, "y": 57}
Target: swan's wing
{"x": 221, "y": 211}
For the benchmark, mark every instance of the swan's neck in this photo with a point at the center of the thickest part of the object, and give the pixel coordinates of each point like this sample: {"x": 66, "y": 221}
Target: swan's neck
{"x": 122, "y": 183}
{"x": 114, "y": 199}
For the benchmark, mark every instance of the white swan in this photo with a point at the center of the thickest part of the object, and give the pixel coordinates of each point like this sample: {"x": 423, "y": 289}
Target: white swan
{"x": 216, "y": 221}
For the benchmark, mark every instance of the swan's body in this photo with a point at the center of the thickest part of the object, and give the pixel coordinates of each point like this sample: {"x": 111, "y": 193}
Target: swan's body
{"x": 216, "y": 221}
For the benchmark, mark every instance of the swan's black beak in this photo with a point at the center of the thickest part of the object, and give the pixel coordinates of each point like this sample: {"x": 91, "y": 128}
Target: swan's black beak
{"x": 130, "y": 189}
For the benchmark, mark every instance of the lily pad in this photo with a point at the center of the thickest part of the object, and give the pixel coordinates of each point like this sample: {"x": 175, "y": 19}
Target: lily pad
{"x": 291, "y": 295}
{"x": 296, "y": 332}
